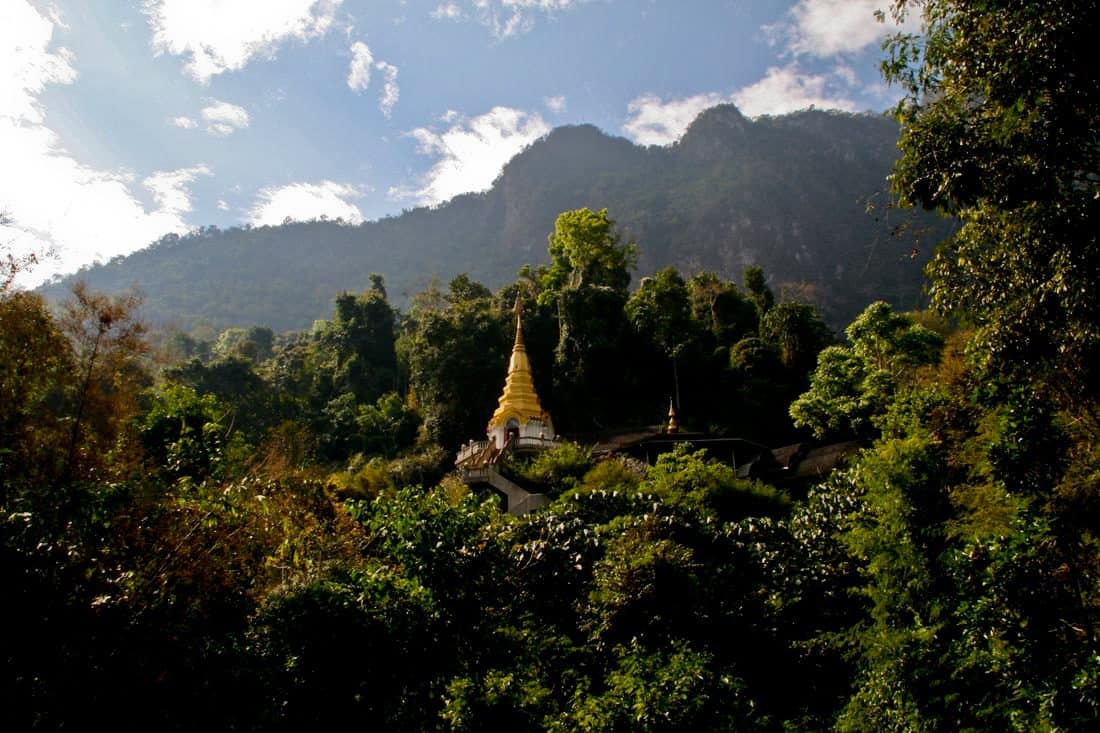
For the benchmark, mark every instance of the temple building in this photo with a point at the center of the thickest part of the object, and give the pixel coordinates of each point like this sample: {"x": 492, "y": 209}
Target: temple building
{"x": 518, "y": 425}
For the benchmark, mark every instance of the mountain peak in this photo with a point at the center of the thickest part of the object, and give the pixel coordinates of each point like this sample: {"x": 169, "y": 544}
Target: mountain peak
{"x": 721, "y": 120}
{"x": 570, "y": 151}
{"x": 726, "y": 115}
{"x": 716, "y": 131}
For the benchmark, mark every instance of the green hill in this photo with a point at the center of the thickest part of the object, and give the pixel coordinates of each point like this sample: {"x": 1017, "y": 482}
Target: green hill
{"x": 803, "y": 195}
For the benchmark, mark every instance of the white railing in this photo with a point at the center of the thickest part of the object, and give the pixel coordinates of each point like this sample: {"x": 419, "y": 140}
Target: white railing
{"x": 474, "y": 475}
{"x": 480, "y": 449}
{"x": 533, "y": 443}
{"x": 471, "y": 449}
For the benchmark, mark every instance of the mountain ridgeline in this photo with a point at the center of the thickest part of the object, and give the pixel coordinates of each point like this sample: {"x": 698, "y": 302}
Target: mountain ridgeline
{"x": 802, "y": 195}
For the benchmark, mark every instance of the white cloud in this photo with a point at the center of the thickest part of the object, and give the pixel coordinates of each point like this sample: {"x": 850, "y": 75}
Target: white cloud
{"x": 359, "y": 69}
{"x": 28, "y": 66}
{"x": 472, "y": 152}
{"x": 304, "y": 202}
{"x": 169, "y": 188}
{"x": 82, "y": 213}
{"x": 220, "y": 36}
{"x": 653, "y": 121}
{"x": 829, "y": 27}
{"x": 554, "y": 104}
{"x": 222, "y": 205}
{"x": 390, "y": 91}
{"x": 447, "y": 11}
{"x": 787, "y": 89}
{"x": 55, "y": 202}
{"x": 223, "y": 118}
{"x": 503, "y": 17}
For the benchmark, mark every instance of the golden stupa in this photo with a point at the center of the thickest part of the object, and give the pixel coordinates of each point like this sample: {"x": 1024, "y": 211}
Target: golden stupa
{"x": 519, "y": 402}
{"x": 673, "y": 423}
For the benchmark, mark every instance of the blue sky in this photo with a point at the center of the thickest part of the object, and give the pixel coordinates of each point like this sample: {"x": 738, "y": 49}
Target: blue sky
{"x": 123, "y": 120}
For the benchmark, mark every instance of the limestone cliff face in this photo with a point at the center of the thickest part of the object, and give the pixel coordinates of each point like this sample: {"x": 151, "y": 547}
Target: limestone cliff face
{"x": 803, "y": 195}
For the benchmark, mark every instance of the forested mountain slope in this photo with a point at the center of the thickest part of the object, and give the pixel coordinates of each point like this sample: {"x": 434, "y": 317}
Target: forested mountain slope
{"x": 802, "y": 195}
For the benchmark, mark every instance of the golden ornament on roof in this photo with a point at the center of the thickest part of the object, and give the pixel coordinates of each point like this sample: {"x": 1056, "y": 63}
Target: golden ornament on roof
{"x": 673, "y": 423}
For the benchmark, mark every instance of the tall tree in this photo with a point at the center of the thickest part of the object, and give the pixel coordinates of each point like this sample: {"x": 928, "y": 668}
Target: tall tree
{"x": 1001, "y": 128}
{"x": 798, "y": 331}
{"x": 759, "y": 292}
{"x": 357, "y": 347}
{"x": 718, "y": 307}
{"x": 456, "y": 345}
{"x": 854, "y": 384}
{"x": 587, "y": 279}
{"x": 976, "y": 535}
{"x": 661, "y": 310}
{"x": 107, "y": 338}
{"x": 585, "y": 249}
{"x": 35, "y": 365}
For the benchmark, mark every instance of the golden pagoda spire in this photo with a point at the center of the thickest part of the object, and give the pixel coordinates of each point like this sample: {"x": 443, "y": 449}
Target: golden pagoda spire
{"x": 519, "y": 400}
{"x": 673, "y": 424}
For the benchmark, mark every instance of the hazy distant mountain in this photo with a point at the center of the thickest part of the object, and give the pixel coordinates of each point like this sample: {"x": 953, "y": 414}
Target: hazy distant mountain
{"x": 803, "y": 195}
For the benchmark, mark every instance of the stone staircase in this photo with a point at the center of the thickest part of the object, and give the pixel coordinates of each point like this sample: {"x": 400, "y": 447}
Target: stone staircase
{"x": 518, "y": 500}
{"x": 478, "y": 467}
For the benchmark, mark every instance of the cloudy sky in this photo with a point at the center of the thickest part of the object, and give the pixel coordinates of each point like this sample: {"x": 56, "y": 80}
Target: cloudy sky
{"x": 123, "y": 120}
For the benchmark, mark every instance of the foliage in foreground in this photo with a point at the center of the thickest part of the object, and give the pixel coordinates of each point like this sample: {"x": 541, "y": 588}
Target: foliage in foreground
{"x": 947, "y": 579}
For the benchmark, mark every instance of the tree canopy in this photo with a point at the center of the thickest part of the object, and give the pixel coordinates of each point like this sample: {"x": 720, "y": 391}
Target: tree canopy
{"x": 585, "y": 250}
{"x": 1001, "y": 128}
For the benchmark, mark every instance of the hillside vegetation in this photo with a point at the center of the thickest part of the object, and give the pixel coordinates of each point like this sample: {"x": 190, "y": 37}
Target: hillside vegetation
{"x": 802, "y": 195}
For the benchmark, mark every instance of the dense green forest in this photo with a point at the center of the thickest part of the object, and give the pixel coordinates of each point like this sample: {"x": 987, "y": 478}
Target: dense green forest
{"x": 801, "y": 195}
{"x": 260, "y": 531}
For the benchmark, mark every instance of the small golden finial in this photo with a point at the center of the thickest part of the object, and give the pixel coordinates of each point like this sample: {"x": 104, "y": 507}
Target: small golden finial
{"x": 673, "y": 425}
{"x": 518, "y": 310}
